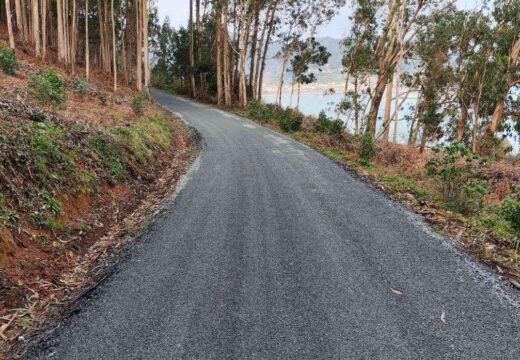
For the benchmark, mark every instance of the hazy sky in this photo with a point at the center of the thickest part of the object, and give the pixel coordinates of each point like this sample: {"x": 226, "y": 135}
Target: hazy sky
{"x": 177, "y": 10}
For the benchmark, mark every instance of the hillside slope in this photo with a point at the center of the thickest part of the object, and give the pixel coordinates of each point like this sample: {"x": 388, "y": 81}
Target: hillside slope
{"x": 80, "y": 167}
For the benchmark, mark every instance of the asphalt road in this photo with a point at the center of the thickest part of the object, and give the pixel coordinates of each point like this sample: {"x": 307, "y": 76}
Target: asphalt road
{"x": 273, "y": 251}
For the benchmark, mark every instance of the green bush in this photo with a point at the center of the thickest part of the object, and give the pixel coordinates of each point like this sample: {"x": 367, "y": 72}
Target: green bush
{"x": 328, "y": 126}
{"x": 456, "y": 168}
{"x": 288, "y": 120}
{"x": 49, "y": 86}
{"x": 367, "y": 150}
{"x": 260, "y": 111}
{"x": 138, "y": 103}
{"x": 8, "y": 62}
{"x": 80, "y": 87}
{"x": 102, "y": 100}
{"x": 510, "y": 211}
{"x": 109, "y": 154}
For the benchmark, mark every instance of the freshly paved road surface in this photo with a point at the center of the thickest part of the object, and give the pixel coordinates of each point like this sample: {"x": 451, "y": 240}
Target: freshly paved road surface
{"x": 273, "y": 251}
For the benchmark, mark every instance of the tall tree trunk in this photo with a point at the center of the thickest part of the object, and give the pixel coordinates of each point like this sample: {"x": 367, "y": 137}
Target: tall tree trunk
{"x": 246, "y": 21}
{"x": 44, "y": 28}
{"x": 264, "y": 52}
{"x": 9, "y": 23}
{"x": 87, "y": 43}
{"x": 218, "y": 30}
{"x": 146, "y": 61}
{"x": 254, "y": 40}
{"x": 19, "y": 21}
{"x": 388, "y": 111}
{"x": 461, "y": 124}
{"x": 139, "y": 50}
{"x": 199, "y": 46}
{"x": 73, "y": 37}
{"x": 61, "y": 44}
{"x": 191, "y": 55}
{"x": 227, "y": 67}
{"x": 114, "y": 57}
{"x": 35, "y": 21}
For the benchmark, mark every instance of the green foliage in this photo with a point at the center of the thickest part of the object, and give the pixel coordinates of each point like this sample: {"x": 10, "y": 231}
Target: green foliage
{"x": 368, "y": 149}
{"x": 48, "y": 86}
{"x": 8, "y": 216}
{"x": 109, "y": 154}
{"x": 260, "y": 111}
{"x": 328, "y": 126}
{"x": 80, "y": 87}
{"x": 44, "y": 151}
{"x": 146, "y": 136}
{"x": 51, "y": 203}
{"x": 8, "y": 62}
{"x": 289, "y": 120}
{"x": 138, "y": 103}
{"x": 102, "y": 100}
{"x": 510, "y": 211}
{"x": 459, "y": 182}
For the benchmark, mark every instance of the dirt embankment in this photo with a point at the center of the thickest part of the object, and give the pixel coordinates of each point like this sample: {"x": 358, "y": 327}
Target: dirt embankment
{"x": 76, "y": 180}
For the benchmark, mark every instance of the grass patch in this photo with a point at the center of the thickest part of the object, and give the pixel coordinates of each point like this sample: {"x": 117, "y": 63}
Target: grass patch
{"x": 146, "y": 136}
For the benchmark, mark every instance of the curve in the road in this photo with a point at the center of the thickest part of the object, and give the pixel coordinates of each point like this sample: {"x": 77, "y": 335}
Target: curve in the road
{"x": 273, "y": 251}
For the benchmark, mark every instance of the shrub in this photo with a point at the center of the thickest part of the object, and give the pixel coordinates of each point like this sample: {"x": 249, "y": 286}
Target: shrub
{"x": 510, "y": 211}
{"x": 49, "y": 86}
{"x": 459, "y": 182}
{"x": 328, "y": 126}
{"x": 102, "y": 100}
{"x": 7, "y": 59}
{"x": 80, "y": 87}
{"x": 288, "y": 120}
{"x": 138, "y": 103}
{"x": 260, "y": 111}
{"x": 109, "y": 154}
{"x": 368, "y": 149}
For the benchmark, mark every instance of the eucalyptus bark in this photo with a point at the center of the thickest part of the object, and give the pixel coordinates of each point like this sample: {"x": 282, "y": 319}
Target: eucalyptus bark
{"x": 9, "y": 23}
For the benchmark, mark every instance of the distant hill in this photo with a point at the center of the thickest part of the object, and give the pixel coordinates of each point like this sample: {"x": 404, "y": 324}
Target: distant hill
{"x": 331, "y": 72}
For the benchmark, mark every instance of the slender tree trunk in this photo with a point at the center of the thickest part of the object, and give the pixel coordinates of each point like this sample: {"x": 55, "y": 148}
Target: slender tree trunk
{"x": 461, "y": 124}
{"x": 9, "y": 23}
{"x": 25, "y": 18}
{"x": 35, "y": 21}
{"x": 388, "y": 110}
{"x": 73, "y": 38}
{"x": 375, "y": 102}
{"x": 139, "y": 47}
{"x": 61, "y": 47}
{"x": 145, "y": 47}
{"x": 114, "y": 57}
{"x": 191, "y": 55}
{"x": 87, "y": 43}
{"x": 199, "y": 46}
{"x": 264, "y": 52}
{"x": 246, "y": 20}
{"x": 254, "y": 40}
{"x": 218, "y": 30}
{"x": 298, "y": 96}
{"x": 19, "y": 21}
{"x": 227, "y": 67}
{"x": 44, "y": 28}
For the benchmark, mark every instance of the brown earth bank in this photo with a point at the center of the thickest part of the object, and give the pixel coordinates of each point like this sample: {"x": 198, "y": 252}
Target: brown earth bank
{"x": 78, "y": 179}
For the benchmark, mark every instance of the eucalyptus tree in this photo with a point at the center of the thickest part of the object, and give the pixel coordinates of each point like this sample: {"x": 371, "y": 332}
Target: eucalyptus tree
{"x": 301, "y": 19}
{"x": 411, "y": 15}
{"x": 309, "y": 53}
{"x": 506, "y": 14}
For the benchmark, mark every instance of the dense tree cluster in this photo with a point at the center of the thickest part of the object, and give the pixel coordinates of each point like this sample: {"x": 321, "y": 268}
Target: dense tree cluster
{"x": 222, "y": 51}
{"x": 463, "y": 67}
{"x": 109, "y": 34}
